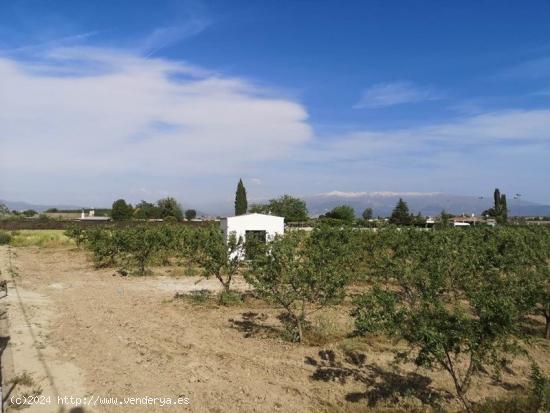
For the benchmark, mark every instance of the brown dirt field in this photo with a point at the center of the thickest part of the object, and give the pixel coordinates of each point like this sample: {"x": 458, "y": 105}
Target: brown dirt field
{"x": 95, "y": 334}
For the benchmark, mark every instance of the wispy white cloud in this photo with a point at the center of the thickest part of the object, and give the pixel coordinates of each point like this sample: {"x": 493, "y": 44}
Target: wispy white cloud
{"x": 536, "y": 68}
{"x": 383, "y": 95}
{"x": 56, "y": 42}
{"x": 82, "y": 121}
{"x": 96, "y": 124}
{"x": 470, "y": 134}
{"x": 167, "y": 36}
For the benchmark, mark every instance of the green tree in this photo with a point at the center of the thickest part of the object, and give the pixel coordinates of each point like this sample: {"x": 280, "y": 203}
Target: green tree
{"x": 499, "y": 211}
{"x": 121, "y": 211}
{"x": 241, "y": 204}
{"x": 259, "y": 209}
{"x": 169, "y": 207}
{"x": 303, "y": 273}
{"x": 30, "y": 212}
{"x": 367, "y": 214}
{"x": 539, "y": 282}
{"x": 342, "y": 213}
{"x": 444, "y": 220}
{"x": 140, "y": 247}
{"x": 147, "y": 210}
{"x": 291, "y": 208}
{"x": 217, "y": 256}
{"x": 190, "y": 214}
{"x": 4, "y": 210}
{"x": 455, "y": 297}
{"x": 401, "y": 215}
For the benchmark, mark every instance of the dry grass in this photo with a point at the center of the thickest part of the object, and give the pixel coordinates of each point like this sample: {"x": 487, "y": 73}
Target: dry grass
{"x": 50, "y": 238}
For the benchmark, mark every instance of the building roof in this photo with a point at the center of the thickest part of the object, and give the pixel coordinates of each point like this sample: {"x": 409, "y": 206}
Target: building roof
{"x": 94, "y": 218}
{"x": 253, "y": 214}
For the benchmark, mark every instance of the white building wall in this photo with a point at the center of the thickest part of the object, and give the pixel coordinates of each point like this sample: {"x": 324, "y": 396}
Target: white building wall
{"x": 271, "y": 224}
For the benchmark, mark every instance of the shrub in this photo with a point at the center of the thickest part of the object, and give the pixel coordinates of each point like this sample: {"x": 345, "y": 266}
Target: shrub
{"x": 217, "y": 257}
{"x": 230, "y": 298}
{"x": 303, "y": 273}
{"x": 5, "y": 238}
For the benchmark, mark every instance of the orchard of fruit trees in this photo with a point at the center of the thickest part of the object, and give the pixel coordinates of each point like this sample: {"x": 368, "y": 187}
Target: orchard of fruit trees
{"x": 458, "y": 298}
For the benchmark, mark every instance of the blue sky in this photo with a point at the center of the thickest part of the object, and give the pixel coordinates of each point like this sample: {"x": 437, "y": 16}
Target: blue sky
{"x": 142, "y": 99}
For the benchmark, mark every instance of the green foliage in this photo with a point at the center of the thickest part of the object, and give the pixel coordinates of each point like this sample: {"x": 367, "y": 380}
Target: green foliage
{"x": 77, "y": 234}
{"x": 499, "y": 211}
{"x": 367, "y": 214}
{"x": 444, "y": 220}
{"x": 217, "y": 257}
{"x": 169, "y": 207}
{"x": 5, "y": 238}
{"x": 139, "y": 247}
{"x": 121, "y": 211}
{"x": 4, "y": 210}
{"x": 303, "y": 273}
{"x": 147, "y": 210}
{"x": 538, "y": 284}
{"x": 29, "y": 213}
{"x": 170, "y": 219}
{"x": 230, "y": 298}
{"x": 457, "y": 297}
{"x": 401, "y": 215}
{"x": 241, "y": 204}
{"x": 343, "y": 213}
{"x": 291, "y": 208}
{"x": 190, "y": 214}
{"x": 536, "y": 399}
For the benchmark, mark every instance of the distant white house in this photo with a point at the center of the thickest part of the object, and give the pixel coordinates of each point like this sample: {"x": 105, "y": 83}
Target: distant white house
{"x": 91, "y": 216}
{"x": 262, "y": 226}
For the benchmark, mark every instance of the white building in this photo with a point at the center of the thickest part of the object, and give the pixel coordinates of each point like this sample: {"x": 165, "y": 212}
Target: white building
{"x": 263, "y": 226}
{"x": 91, "y": 216}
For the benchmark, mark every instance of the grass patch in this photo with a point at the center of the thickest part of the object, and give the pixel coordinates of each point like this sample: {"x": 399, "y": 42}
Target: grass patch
{"x": 206, "y": 297}
{"x": 46, "y": 238}
{"x": 230, "y": 298}
{"x": 195, "y": 297}
{"x": 5, "y": 238}
{"x": 326, "y": 328}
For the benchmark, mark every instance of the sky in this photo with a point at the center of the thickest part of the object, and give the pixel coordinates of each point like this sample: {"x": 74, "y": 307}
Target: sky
{"x": 101, "y": 100}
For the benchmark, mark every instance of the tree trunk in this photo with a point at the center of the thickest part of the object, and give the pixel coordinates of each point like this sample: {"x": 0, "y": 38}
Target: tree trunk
{"x": 225, "y": 284}
{"x": 547, "y": 330}
{"x": 300, "y": 332}
{"x": 458, "y": 386}
{"x": 464, "y": 401}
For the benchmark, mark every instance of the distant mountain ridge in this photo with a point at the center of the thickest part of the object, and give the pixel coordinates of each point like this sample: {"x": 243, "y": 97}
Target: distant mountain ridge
{"x": 21, "y": 206}
{"x": 427, "y": 203}
{"x": 382, "y": 203}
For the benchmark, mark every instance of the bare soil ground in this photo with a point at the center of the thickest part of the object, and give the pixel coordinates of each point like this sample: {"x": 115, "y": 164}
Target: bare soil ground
{"x": 82, "y": 332}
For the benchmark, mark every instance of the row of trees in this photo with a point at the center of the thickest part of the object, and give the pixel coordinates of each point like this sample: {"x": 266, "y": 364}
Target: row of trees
{"x": 165, "y": 208}
{"x": 458, "y": 298}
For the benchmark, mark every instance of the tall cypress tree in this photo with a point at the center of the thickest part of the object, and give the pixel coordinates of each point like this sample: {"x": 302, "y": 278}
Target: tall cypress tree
{"x": 241, "y": 204}
{"x": 497, "y": 206}
{"x": 503, "y": 209}
{"x": 500, "y": 209}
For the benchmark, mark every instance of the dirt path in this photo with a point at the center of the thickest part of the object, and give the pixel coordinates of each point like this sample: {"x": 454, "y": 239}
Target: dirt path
{"x": 36, "y": 367}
